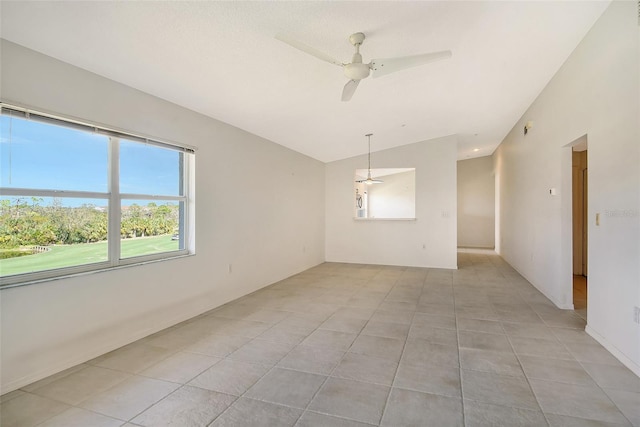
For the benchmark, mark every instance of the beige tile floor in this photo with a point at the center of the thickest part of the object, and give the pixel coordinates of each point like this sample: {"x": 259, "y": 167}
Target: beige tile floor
{"x": 354, "y": 345}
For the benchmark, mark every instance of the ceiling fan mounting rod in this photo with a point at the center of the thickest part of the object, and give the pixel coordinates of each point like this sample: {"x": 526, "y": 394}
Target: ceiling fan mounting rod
{"x": 369, "y": 138}
{"x": 356, "y": 40}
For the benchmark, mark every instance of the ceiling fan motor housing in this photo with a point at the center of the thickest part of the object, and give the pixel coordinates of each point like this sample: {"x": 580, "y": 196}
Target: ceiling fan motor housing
{"x": 357, "y": 70}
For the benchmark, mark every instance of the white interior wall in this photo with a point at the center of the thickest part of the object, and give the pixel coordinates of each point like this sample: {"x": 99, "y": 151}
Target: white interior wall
{"x": 427, "y": 241}
{"x": 595, "y": 93}
{"x": 254, "y": 199}
{"x": 395, "y": 197}
{"x": 476, "y": 203}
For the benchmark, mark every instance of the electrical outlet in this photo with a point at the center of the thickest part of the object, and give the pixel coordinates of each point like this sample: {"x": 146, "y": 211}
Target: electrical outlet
{"x": 636, "y": 314}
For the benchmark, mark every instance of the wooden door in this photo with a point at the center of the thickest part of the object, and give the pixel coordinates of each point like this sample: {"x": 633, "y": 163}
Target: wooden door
{"x": 579, "y": 175}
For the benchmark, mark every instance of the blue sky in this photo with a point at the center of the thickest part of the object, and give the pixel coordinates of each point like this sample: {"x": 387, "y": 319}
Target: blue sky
{"x": 42, "y": 156}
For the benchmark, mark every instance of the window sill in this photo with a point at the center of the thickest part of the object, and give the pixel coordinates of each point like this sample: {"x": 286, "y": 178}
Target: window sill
{"x": 124, "y": 264}
{"x": 384, "y": 219}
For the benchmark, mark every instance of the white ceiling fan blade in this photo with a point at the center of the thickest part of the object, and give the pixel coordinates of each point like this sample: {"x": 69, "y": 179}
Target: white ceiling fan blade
{"x": 307, "y": 49}
{"x": 382, "y": 67}
{"x": 349, "y": 89}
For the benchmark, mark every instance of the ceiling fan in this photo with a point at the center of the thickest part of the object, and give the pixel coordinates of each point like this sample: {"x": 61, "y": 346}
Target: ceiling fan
{"x": 356, "y": 70}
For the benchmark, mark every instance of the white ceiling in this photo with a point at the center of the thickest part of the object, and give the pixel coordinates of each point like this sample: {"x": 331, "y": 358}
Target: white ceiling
{"x": 221, "y": 59}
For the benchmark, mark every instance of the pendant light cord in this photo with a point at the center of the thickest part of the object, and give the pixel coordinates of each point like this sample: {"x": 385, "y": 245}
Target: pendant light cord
{"x": 369, "y": 138}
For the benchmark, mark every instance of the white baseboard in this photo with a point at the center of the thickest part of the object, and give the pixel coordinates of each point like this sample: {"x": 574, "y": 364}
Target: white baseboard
{"x": 633, "y": 366}
{"x": 560, "y": 305}
{"x": 563, "y": 306}
{"x": 132, "y": 336}
{"x": 95, "y": 352}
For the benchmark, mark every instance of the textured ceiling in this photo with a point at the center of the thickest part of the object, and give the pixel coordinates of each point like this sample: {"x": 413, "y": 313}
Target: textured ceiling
{"x": 221, "y": 59}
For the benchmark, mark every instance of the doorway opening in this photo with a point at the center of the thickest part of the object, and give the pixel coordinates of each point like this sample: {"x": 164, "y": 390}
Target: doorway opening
{"x": 580, "y": 226}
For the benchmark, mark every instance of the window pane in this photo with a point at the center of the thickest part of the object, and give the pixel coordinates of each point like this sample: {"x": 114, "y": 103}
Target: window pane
{"x": 149, "y": 169}
{"x": 45, "y": 156}
{"x": 46, "y": 233}
{"x": 149, "y": 227}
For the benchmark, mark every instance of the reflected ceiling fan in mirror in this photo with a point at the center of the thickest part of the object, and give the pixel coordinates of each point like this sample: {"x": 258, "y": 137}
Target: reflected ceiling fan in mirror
{"x": 369, "y": 180}
{"x": 356, "y": 70}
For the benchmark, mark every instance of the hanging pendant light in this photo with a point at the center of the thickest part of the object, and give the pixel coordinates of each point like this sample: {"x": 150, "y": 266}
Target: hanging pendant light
{"x": 369, "y": 180}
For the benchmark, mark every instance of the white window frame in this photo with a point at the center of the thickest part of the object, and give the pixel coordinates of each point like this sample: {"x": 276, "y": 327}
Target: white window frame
{"x": 114, "y": 199}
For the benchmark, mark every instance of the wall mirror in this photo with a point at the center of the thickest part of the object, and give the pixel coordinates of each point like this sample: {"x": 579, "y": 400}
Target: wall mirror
{"x": 392, "y": 197}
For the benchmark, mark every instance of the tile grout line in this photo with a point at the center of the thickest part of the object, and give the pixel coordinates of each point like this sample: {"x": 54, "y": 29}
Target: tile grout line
{"x": 182, "y": 385}
{"x": 404, "y": 346}
{"x": 475, "y": 263}
{"x": 329, "y": 375}
{"x": 275, "y": 365}
{"x": 453, "y": 291}
{"x": 526, "y": 377}
{"x": 225, "y": 357}
{"x": 544, "y": 322}
{"x": 265, "y": 374}
{"x": 77, "y": 405}
{"x": 519, "y": 362}
{"x": 590, "y": 376}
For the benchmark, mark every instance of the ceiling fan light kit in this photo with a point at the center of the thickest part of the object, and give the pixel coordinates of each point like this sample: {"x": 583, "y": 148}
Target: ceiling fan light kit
{"x": 356, "y": 70}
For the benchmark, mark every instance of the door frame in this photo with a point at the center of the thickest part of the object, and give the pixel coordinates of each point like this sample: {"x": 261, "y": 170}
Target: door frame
{"x": 566, "y": 213}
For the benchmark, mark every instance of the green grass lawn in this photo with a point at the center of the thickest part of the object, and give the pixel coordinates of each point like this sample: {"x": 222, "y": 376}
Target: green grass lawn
{"x": 84, "y": 253}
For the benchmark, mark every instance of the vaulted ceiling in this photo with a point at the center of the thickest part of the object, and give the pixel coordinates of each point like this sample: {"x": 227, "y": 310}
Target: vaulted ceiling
{"x": 221, "y": 59}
